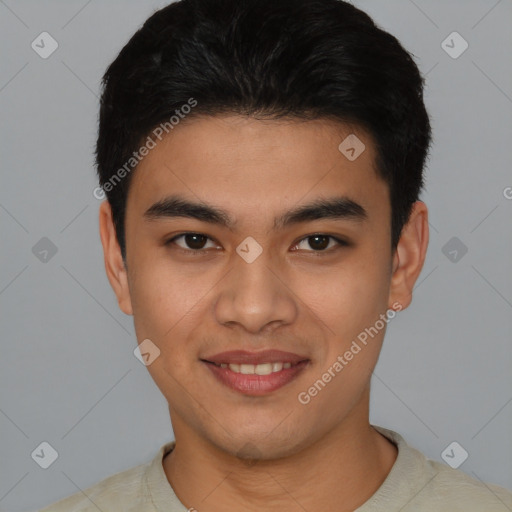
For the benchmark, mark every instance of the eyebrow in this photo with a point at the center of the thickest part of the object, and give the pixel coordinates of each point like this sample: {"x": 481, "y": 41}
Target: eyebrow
{"x": 338, "y": 208}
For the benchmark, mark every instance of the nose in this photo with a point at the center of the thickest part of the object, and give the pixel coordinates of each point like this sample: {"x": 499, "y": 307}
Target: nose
{"x": 255, "y": 295}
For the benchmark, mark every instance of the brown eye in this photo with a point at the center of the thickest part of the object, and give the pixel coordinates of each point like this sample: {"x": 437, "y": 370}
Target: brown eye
{"x": 192, "y": 241}
{"x": 320, "y": 242}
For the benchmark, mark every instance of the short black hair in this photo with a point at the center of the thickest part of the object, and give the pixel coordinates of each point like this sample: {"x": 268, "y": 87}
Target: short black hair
{"x": 303, "y": 59}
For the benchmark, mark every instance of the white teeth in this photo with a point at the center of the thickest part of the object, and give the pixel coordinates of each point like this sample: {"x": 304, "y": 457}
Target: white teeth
{"x": 258, "y": 369}
{"x": 264, "y": 369}
{"x": 247, "y": 369}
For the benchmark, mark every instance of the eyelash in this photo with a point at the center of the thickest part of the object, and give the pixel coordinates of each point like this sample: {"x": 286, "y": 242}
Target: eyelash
{"x": 339, "y": 241}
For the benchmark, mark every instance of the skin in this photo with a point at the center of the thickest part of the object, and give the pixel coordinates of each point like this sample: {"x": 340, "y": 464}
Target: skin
{"x": 293, "y": 297}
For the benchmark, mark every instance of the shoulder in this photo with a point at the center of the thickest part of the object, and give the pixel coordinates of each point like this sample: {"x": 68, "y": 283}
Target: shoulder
{"x": 118, "y": 492}
{"x": 419, "y": 484}
{"x": 456, "y": 490}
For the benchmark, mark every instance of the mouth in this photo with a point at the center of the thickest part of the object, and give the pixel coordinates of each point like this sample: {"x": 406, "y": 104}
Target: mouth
{"x": 256, "y": 369}
{"x": 257, "y": 373}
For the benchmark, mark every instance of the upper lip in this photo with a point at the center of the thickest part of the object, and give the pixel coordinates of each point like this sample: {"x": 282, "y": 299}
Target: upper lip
{"x": 265, "y": 356}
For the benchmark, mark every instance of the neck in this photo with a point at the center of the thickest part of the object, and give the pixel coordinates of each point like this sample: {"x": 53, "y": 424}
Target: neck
{"x": 350, "y": 462}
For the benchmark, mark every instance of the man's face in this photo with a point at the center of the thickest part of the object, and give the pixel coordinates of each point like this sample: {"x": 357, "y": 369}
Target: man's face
{"x": 199, "y": 296}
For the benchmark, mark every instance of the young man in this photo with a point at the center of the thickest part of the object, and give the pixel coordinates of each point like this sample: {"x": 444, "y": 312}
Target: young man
{"x": 262, "y": 162}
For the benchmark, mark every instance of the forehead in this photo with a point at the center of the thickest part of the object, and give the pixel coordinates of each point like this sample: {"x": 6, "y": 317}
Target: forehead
{"x": 260, "y": 165}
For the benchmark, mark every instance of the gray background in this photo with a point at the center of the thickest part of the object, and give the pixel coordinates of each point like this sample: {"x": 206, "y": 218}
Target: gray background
{"x": 68, "y": 373}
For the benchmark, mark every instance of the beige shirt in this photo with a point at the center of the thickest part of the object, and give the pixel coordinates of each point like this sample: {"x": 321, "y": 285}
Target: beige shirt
{"x": 414, "y": 484}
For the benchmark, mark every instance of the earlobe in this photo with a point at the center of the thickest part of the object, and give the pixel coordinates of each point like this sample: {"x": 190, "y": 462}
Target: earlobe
{"x": 410, "y": 255}
{"x": 114, "y": 264}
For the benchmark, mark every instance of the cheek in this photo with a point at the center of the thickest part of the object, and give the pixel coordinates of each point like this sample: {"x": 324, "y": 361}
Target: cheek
{"x": 166, "y": 307}
{"x": 349, "y": 300}
{"x": 170, "y": 308}
{"x": 162, "y": 297}
{"x": 349, "y": 296}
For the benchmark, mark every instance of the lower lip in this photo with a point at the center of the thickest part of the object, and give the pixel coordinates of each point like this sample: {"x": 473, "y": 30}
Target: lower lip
{"x": 256, "y": 385}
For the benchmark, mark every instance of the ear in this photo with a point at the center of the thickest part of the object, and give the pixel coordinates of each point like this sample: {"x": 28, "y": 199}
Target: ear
{"x": 409, "y": 256}
{"x": 114, "y": 264}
